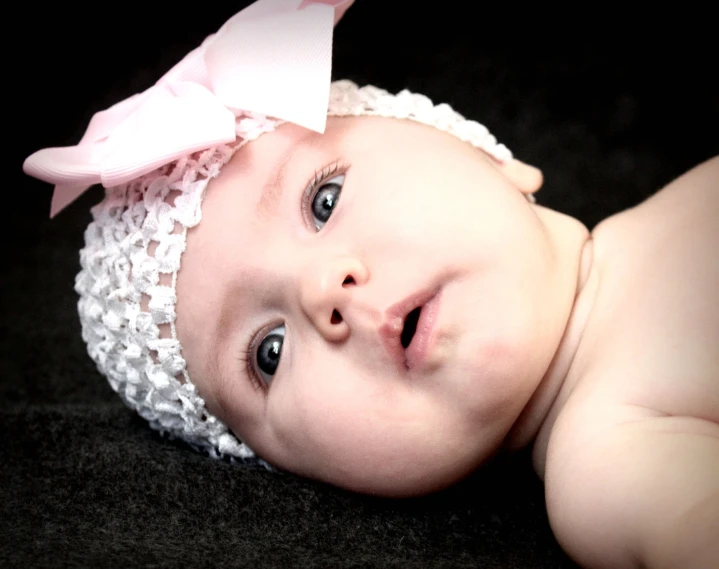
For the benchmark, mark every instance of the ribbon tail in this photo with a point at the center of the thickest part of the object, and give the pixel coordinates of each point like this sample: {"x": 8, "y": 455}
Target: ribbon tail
{"x": 63, "y": 195}
{"x": 72, "y": 169}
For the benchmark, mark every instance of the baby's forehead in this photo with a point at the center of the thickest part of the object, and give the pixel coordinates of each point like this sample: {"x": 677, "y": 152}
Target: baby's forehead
{"x": 344, "y": 138}
{"x": 378, "y": 129}
{"x": 368, "y": 132}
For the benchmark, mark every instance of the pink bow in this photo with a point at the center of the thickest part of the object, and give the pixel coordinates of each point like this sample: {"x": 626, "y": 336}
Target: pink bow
{"x": 273, "y": 58}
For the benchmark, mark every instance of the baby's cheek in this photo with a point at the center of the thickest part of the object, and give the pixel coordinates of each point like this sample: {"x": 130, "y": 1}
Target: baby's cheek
{"x": 353, "y": 438}
{"x": 316, "y": 418}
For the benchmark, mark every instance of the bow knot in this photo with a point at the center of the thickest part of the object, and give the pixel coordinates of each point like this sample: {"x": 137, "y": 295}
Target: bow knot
{"x": 273, "y": 59}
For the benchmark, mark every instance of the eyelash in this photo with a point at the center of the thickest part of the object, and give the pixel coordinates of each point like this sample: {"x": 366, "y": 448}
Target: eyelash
{"x": 247, "y": 355}
{"x": 336, "y": 168}
{"x": 247, "y": 358}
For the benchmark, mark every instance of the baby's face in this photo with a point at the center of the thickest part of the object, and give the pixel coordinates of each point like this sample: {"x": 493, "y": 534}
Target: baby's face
{"x": 295, "y": 288}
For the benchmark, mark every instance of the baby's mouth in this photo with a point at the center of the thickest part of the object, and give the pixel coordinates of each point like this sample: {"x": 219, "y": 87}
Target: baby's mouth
{"x": 410, "y": 327}
{"x": 403, "y": 332}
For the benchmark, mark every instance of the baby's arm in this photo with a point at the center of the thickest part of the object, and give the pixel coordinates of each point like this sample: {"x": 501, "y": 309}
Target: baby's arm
{"x": 645, "y": 494}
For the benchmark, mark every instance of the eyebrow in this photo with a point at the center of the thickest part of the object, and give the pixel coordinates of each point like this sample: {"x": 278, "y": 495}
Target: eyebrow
{"x": 272, "y": 190}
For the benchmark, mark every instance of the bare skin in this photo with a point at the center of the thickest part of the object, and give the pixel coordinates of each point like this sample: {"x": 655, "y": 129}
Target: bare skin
{"x": 598, "y": 350}
{"x": 629, "y": 449}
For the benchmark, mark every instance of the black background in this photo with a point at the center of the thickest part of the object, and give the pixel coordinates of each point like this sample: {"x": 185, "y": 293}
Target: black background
{"x": 610, "y": 109}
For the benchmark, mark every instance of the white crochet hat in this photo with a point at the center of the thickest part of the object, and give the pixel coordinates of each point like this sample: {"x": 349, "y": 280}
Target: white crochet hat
{"x": 133, "y": 248}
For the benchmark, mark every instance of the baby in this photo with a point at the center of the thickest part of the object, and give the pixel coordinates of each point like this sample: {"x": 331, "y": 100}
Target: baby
{"x": 362, "y": 291}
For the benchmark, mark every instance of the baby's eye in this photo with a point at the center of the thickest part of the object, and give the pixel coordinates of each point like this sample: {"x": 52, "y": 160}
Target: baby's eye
{"x": 325, "y": 200}
{"x": 268, "y": 353}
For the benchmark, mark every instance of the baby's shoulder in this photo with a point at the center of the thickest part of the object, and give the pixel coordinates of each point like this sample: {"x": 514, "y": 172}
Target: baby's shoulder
{"x": 689, "y": 204}
{"x": 633, "y": 455}
{"x": 652, "y": 335}
{"x": 632, "y": 487}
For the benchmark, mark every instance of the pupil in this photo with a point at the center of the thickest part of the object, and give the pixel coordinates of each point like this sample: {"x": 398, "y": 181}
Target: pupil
{"x": 268, "y": 355}
{"x": 325, "y": 201}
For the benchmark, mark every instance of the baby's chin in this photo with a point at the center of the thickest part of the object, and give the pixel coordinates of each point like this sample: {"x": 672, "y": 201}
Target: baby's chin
{"x": 411, "y": 475}
{"x": 399, "y": 484}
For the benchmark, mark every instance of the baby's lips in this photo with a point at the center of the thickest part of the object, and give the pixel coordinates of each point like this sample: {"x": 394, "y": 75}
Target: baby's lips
{"x": 394, "y": 322}
{"x": 391, "y": 332}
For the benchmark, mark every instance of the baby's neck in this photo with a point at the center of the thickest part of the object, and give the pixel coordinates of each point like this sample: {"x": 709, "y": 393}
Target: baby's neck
{"x": 570, "y": 237}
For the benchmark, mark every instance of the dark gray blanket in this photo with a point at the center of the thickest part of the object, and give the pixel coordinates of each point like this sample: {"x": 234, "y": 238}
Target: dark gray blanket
{"x": 84, "y": 483}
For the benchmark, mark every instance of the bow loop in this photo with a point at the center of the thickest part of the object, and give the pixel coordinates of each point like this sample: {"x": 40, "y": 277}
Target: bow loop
{"x": 168, "y": 126}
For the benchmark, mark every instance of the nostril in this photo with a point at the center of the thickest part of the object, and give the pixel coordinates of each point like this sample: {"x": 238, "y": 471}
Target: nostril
{"x": 336, "y": 317}
{"x": 348, "y": 280}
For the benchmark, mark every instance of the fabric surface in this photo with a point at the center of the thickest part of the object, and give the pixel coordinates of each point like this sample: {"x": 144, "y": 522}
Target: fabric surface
{"x": 84, "y": 483}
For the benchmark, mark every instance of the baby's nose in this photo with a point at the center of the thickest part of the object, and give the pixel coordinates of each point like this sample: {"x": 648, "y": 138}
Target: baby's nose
{"x": 326, "y": 290}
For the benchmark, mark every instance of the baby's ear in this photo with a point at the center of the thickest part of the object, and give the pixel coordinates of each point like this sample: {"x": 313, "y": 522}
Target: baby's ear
{"x": 528, "y": 179}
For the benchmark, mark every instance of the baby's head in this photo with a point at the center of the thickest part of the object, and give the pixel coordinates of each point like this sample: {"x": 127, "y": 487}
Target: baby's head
{"x": 298, "y": 298}
{"x": 372, "y": 306}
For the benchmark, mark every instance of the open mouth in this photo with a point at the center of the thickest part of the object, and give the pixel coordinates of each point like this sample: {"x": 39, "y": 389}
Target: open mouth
{"x": 410, "y": 327}
{"x": 408, "y": 336}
